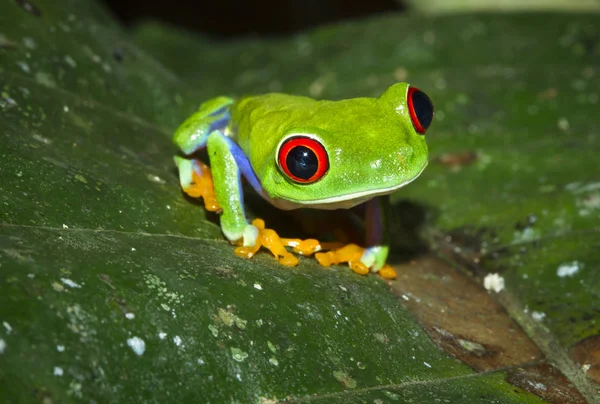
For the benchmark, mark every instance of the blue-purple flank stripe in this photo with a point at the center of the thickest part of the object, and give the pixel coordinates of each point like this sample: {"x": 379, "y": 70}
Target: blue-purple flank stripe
{"x": 244, "y": 166}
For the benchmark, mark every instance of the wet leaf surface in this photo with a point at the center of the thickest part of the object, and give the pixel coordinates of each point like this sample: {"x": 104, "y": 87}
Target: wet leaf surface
{"x": 112, "y": 284}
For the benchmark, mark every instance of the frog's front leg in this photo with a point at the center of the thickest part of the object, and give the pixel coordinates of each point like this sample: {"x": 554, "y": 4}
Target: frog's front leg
{"x": 228, "y": 164}
{"x": 362, "y": 260}
{"x": 193, "y": 133}
{"x": 194, "y": 176}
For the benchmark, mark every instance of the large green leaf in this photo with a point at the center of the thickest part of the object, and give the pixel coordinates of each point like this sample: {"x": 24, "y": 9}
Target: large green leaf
{"x": 115, "y": 287}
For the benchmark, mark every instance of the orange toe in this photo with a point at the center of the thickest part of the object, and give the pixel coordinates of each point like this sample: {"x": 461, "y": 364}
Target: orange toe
{"x": 358, "y": 267}
{"x": 269, "y": 239}
{"x": 202, "y": 187}
{"x": 387, "y": 272}
{"x": 303, "y": 247}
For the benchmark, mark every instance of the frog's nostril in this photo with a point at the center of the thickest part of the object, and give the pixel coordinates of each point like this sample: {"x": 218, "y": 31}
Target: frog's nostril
{"x": 402, "y": 158}
{"x": 404, "y": 155}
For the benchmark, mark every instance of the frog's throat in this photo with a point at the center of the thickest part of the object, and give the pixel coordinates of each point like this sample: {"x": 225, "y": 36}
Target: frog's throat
{"x": 340, "y": 202}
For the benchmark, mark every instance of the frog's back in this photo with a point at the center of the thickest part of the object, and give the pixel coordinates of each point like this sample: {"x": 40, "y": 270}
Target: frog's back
{"x": 260, "y": 118}
{"x": 247, "y": 111}
{"x": 265, "y": 118}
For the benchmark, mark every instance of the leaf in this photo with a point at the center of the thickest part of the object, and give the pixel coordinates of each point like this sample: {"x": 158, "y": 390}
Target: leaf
{"x": 454, "y": 6}
{"x": 515, "y": 100}
{"x": 114, "y": 285}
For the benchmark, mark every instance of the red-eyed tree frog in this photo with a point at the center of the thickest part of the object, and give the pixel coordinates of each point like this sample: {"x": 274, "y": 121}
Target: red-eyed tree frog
{"x": 297, "y": 152}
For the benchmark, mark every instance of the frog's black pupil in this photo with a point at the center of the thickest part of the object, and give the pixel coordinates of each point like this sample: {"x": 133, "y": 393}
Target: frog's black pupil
{"x": 302, "y": 162}
{"x": 423, "y": 108}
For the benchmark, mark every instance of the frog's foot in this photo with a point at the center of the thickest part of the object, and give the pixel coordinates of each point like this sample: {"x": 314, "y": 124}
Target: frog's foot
{"x": 257, "y": 236}
{"x": 196, "y": 181}
{"x": 361, "y": 260}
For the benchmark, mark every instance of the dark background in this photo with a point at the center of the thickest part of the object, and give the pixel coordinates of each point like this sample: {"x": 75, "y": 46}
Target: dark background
{"x": 232, "y": 18}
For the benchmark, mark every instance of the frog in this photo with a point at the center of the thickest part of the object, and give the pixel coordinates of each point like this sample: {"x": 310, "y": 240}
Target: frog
{"x": 297, "y": 152}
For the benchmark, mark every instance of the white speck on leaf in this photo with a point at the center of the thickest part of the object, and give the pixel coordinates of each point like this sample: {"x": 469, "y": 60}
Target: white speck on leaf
{"x": 155, "y": 178}
{"x": 41, "y": 139}
{"x": 493, "y": 282}
{"x": 137, "y": 345}
{"x": 238, "y": 355}
{"x": 70, "y": 61}
{"x": 537, "y": 385}
{"x": 257, "y": 286}
{"x": 29, "y": 43}
{"x": 177, "y": 340}
{"x": 563, "y": 123}
{"x": 24, "y": 66}
{"x": 70, "y": 283}
{"x": 132, "y": 248}
{"x": 58, "y": 371}
{"x": 66, "y": 109}
{"x": 427, "y": 364}
{"x": 527, "y": 234}
{"x": 162, "y": 335}
{"x": 538, "y": 315}
{"x": 130, "y": 316}
{"x": 60, "y": 348}
{"x": 568, "y": 269}
{"x": 2, "y": 346}
{"x": 7, "y": 327}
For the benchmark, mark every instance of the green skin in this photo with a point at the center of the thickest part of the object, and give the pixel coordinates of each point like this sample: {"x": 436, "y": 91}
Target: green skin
{"x": 372, "y": 145}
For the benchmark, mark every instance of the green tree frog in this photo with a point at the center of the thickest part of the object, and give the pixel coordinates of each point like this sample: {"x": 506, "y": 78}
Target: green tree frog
{"x": 297, "y": 152}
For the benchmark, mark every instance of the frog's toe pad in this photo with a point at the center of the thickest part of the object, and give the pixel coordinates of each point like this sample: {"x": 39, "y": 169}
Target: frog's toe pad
{"x": 270, "y": 240}
{"x": 350, "y": 253}
{"x": 303, "y": 247}
{"x": 358, "y": 267}
{"x": 387, "y": 272}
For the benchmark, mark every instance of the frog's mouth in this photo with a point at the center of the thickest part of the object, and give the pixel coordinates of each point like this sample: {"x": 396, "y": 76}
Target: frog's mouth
{"x": 343, "y": 201}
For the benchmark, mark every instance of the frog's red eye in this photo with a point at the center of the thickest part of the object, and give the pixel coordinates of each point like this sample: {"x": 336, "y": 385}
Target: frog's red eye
{"x": 420, "y": 109}
{"x": 303, "y": 159}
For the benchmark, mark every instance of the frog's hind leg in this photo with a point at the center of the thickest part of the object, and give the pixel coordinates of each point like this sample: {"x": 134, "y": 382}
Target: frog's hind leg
{"x": 377, "y": 216}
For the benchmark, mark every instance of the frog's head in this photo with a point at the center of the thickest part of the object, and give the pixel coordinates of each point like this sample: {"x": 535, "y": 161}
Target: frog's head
{"x": 339, "y": 154}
